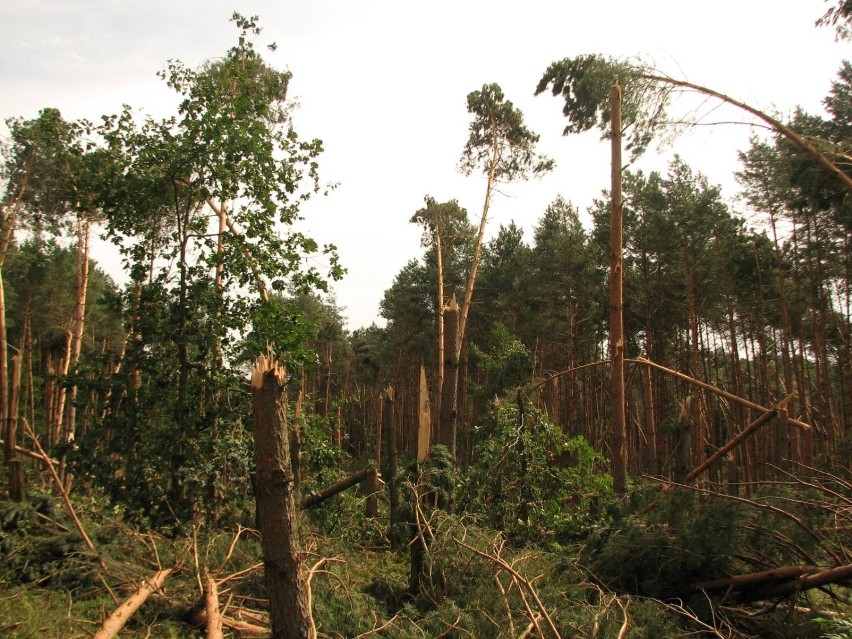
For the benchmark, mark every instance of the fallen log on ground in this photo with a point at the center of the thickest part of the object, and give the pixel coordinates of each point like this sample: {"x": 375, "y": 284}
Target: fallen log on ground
{"x": 113, "y": 624}
{"x": 778, "y": 582}
{"x": 347, "y": 482}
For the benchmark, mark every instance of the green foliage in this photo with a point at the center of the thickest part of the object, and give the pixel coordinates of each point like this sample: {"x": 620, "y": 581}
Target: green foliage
{"x": 835, "y": 628}
{"x": 500, "y": 144}
{"x": 504, "y": 362}
{"x": 839, "y": 16}
{"x": 681, "y": 540}
{"x": 524, "y": 466}
{"x": 33, "y": 549}
{"x": 585, "y": 81}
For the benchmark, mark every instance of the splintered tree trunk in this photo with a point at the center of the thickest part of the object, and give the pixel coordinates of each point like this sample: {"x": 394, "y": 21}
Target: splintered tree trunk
{"x": 424, "y": 418}
{"x": 275, "y": 498}
{"x": 616, "y": 305}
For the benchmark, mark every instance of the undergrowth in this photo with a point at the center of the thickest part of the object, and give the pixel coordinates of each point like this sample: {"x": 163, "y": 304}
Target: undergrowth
{"x": 630, "y": 575}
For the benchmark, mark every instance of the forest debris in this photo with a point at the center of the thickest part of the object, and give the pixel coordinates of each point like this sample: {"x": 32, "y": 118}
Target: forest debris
{"x": 519, "y": 579}
{"x": 28, "y": 453}
{"x": 761, "y": 578}
{"x": 113, "y": 624}
{"x": 240, "y": 628}
{"x": 61, "y": 487}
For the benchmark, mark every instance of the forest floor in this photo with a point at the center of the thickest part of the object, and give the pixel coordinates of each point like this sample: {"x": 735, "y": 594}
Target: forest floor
{"x": 625, "y": 577}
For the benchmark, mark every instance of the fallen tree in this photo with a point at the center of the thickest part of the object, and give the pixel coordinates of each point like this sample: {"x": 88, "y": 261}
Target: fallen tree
{"x": 113, "y": 624}
{"x": 777, "y": 582}
{"x": 347, "y": 482}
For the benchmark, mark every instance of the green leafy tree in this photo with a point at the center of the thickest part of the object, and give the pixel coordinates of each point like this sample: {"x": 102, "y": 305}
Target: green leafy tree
{"x": 202, "y": 205}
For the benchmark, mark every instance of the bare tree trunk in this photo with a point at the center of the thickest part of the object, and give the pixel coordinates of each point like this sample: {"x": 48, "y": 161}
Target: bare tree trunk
{"x": 449, "y": 395}
{"x": 276, "y": 498}
{"x": 651, "y": 455}
{"x": 616, "y": 305}
{"x": 389, "y": 425}
{"x": 439, "y": 377}
{"x": 368, "y": 475}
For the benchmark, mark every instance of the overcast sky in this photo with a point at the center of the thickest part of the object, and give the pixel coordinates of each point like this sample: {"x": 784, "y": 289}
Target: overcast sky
{"x": 383, "y": 83}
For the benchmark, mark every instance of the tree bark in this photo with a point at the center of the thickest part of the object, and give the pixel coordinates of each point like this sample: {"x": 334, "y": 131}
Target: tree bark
{"x": 747, "y": 432}
{"x": 276, "y": 504}
{"x": 424, "y": 418}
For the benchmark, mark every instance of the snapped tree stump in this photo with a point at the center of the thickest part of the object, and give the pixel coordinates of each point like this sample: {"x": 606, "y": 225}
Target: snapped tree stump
{"x": 275, "y": 497}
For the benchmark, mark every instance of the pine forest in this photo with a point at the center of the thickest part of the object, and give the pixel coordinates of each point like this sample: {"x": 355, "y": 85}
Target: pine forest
{"x": 634, "y": 427}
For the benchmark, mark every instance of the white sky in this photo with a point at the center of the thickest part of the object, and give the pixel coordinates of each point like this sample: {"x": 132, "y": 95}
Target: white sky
{"x": 383, "y": 83}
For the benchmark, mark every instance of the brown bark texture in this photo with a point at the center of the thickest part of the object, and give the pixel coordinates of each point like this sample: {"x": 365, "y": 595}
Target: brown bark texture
{"x": 275, "y": 497}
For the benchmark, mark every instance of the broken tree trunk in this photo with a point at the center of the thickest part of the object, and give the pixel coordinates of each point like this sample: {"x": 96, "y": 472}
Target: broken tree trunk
{"x": 424, "y": 418}
{"x": 372, "y": 486}
{"x": 275, "y": 499}
{"x": 368, "y": 474}
{"x": 113, "y": 624}
{"x": 717, "y": 391}
{"x": 778, "y": 582}
{"x": 213, "y": 623}
{"x": 747, "y": 432}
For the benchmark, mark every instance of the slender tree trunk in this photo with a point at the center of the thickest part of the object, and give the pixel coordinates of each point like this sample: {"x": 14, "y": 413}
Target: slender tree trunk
{"x": 12, "y": 459}
{"x": 449, "y": 396}
{"x": 651, "y": 455}
{"x": 439, "y": 376}
{"x": 389, "y": 422}
{"x": 616, "y": 305}
{"x": 4, "y": 376}
{"x": 8, "y": 219}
